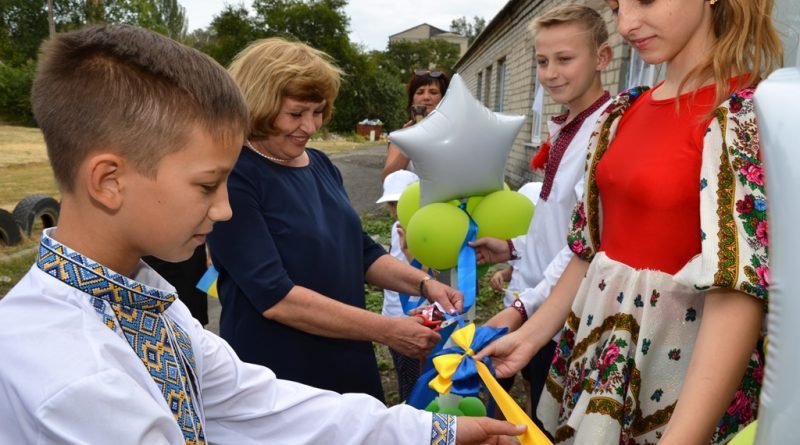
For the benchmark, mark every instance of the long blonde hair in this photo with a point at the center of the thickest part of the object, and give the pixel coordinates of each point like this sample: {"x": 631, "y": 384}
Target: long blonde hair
{"x": 747, "y": 43}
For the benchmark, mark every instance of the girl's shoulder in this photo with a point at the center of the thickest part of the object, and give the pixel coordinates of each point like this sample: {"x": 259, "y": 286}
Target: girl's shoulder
{"x": 740, "y": 102}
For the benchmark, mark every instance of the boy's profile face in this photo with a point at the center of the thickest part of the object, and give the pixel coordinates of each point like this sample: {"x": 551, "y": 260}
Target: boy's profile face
{"x": 567, "y": 64}
{"x": 392, "y": 207}
{"x": 169, "y": 215}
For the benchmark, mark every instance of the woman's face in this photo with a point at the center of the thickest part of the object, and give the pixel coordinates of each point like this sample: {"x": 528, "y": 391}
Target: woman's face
{"x": 429, "y": 95}
{"x": 666, "y": 30}
{"x": 296, "y": 122}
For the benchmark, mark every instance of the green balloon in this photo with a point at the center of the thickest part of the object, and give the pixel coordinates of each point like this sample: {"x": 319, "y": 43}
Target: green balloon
{"x": 472, "y": 203}
{"x": 503, "y": 215}
{"x": 435, "y": 234}
{"x": 747, "y": 436}
{"x": 452, "y": 411}
{"x": 472, "y": 407}
{"x": 433, "y": 407}
{"x": 408, "y": 204}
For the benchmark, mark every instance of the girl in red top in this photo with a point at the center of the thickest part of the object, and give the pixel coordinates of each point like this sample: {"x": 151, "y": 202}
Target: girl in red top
{"x": 662, "y": 304}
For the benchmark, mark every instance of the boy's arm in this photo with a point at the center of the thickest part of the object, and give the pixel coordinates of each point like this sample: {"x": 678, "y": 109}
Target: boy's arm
{"x": 246, "y": 404}
{"x": 108, "y": 407}
{"x": 513, "y": 351}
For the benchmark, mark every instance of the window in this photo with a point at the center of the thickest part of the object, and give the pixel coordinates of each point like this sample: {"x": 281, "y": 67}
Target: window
{"x": 479, "y": 89}
{"x": 500, "y": 90}
{"x": 639, "y": 72}
{"x": 487, "y": 91}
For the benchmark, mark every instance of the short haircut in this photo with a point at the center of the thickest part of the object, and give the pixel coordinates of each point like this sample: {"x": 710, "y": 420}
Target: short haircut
{"x": 129, "y": 91}
{"x": 269, "y": 70}
{"x": 420, "y": 80}
{"x": 589, "y": 18}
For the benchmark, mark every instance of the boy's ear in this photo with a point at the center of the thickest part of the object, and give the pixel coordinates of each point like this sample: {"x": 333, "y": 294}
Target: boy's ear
{"x": 604, "y": 55}
{"x": 104, "y": 179}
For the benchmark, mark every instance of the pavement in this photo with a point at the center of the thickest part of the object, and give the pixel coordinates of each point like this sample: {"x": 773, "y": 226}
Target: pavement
{"x": 361, "y": 171}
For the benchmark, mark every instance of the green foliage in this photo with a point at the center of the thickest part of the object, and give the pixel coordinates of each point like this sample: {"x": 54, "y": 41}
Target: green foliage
{"x": 228, "y": 34}
{"x": 14, "y": 269}
{"x": 378, "y": 224}
{"x": 15, "y": 87}
{"x": 24, "y": 25}
{"x": 410, "y": 55}
{"x": 467, "y": 29}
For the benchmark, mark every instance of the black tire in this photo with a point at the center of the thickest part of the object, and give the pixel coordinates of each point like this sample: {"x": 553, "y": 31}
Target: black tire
{"x": 9, "y": 230}
{"x": 34, "y": 208}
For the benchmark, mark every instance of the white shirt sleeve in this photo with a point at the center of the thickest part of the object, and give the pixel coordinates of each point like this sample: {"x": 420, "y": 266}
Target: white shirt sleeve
{"x": 246, "y": 404}
{"x": 534, "y": 297}
{"x": 108, "y": 407}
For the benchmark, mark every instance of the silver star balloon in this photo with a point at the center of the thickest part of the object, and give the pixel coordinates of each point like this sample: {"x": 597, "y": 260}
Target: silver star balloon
{"x": 460, "y": 148}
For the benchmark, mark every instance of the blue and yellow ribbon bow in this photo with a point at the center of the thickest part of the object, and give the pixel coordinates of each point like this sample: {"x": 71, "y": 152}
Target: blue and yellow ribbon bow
{"x": 459, "y": 373}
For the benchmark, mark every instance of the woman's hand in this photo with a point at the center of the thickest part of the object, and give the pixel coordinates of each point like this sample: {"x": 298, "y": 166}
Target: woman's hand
{"x": 409, "y": 337}
{"x": 451, "y": 300}
{"x": 482, "y": 430}
{"x": 491, "y": 250}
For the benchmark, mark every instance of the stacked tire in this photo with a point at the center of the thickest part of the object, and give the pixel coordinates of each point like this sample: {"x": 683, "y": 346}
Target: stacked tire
{"x": 30, "y": 211}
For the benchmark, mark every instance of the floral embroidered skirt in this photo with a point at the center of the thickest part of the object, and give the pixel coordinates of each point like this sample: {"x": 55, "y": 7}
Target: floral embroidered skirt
{"x": 623, "y": 356}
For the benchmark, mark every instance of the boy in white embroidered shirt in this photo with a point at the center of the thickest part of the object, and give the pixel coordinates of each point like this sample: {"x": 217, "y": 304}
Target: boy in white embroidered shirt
{"x": 142, "y": 133}
{"x": 571, "y": 44}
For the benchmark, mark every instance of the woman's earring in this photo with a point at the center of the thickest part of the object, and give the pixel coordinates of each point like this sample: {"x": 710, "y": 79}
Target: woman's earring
{"x": 712, "y": 2}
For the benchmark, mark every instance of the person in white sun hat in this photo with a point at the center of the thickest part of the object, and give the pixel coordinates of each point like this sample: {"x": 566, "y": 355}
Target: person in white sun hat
{"x": 393, "y": 186}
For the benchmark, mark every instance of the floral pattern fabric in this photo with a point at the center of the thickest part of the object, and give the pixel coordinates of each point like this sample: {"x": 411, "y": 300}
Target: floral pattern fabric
{"x": 628, "y": 340}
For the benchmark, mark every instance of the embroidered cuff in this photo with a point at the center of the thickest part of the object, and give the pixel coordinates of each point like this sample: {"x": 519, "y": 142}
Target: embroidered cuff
{"x": 512, "y": 251}
{"x": 519, "y": 306}
{"x": 443, "y": 429}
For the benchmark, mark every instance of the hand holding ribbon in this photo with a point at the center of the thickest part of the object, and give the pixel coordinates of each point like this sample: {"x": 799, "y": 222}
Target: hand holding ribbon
{"x": 460, "y": 373}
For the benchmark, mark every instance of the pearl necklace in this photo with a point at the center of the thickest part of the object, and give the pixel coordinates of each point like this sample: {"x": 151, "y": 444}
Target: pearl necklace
{"x": 271, "y": 158}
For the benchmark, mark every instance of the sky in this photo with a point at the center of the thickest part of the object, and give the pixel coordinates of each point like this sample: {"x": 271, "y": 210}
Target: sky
{"x": 372, "y": 21}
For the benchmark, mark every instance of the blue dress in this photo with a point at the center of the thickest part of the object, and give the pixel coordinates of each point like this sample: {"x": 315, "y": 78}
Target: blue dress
{"x": 293, "y": 226}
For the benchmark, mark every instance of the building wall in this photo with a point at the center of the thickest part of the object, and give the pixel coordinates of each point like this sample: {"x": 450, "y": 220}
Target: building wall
{"x": 508, "y": 39}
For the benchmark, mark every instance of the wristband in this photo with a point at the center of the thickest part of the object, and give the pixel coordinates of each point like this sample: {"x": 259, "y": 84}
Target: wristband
{"x": 512, "y": 251}
{"x": 422, "y": 285}
{"x": 519, "y": 306}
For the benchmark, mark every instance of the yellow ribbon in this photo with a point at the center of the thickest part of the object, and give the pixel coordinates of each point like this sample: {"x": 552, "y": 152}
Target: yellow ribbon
{"x": 446, "y": 366}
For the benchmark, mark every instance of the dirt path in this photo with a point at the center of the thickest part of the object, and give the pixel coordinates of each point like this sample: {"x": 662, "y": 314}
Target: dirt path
{"x": 361, "y": 170}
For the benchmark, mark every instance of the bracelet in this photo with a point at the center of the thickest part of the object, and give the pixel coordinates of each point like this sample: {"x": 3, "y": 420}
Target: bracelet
{"x": 512, "y": 251}
{"x": 422, "y": 285}
{"x": 519, "y": 306}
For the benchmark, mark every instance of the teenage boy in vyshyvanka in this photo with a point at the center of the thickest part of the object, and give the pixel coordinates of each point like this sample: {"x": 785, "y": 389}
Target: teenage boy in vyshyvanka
{"x": 571, "y": 43}
{"x": 97, "y": 348}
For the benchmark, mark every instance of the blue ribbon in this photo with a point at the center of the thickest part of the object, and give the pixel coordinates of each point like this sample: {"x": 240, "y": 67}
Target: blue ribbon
{"x": 467, "y": 262}
{"x": 466, "y": 381}
{"x": 405, "y": 299}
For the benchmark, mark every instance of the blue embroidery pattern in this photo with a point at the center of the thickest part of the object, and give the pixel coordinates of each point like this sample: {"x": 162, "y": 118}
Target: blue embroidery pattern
{"x": 443, "y": 429}
{"x": 138, "y": 311}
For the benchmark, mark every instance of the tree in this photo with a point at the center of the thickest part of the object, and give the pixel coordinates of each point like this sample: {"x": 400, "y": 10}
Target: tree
{"x": 466, "y": 29}
{"x": 410, "y": 55}
{"x": 24, "y": 24}
{"x": 229, "y": 33}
